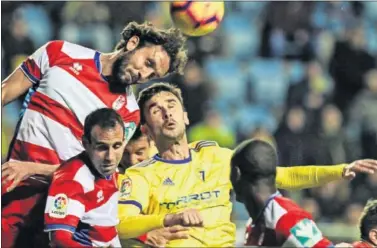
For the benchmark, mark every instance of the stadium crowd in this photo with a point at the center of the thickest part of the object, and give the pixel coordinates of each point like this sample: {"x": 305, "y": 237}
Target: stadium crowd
{"x": 300, "y": 75}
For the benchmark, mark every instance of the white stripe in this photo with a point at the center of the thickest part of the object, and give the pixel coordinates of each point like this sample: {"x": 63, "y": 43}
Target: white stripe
{"x": 74, "y": 207}
{"x": 104, "y": 215}
{"x": 67, "y": 90}
{"x": 115, "y": 242}
{"x": 272, "y": 213}
{"x": 41, "y": 58}
{"x": 45, "y": 132}
{"x": 131, "y": 102}
{"x": 76, "y": 51}
{"x": 85, "y": 177}
{"x": 49, "y": 230}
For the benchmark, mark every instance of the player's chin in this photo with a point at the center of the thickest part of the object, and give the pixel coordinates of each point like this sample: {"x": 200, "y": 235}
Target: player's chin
{"x": 109, "y": 170}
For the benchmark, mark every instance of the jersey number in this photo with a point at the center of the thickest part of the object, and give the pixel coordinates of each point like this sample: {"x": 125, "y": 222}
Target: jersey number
{"x": 203, "y": 175}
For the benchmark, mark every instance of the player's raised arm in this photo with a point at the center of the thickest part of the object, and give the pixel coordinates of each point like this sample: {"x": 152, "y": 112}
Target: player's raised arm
{"x": 300, "y": 177}
{"x": 14, "y": 86}
{"x": 13, "y": 172}
{"x": 28, "y": 73}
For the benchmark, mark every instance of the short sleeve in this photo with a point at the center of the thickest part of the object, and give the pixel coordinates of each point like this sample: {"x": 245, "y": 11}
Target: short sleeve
{"x": 36, "y": 65}
{"x": 134, "y": 190}
{"x": 65, "y": 206}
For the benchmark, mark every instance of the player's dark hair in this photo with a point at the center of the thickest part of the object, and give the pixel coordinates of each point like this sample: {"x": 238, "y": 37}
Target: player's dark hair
{"x": 104, "y": 117}
{"x": 368, "y": 219}
{"x": 147, "y": 93}
{"x": 172, "y": 40}
{"x": 137, "y": 135}
{"x": 255, "y": 160}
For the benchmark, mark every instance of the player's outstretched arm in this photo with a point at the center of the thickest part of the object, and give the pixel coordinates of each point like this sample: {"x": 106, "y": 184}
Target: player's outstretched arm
{"x": 301, "y": 177}
{"x": 14, "y": 86}
{"x": 18, "y": 171}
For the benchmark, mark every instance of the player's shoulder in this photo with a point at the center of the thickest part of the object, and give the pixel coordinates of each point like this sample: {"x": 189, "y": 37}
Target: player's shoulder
{"x": 211, "y": 149}
{"x": 76, "y": 170}
{"x": 290, "y": 206}
{"x": 74, "y": 51}
{"x": 203, "y": 144}
{"x": 69, "y": 168}
{"x": 143, "y": 167}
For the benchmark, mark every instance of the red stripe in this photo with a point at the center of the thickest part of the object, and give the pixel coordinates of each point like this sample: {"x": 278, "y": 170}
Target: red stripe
{"x": 130, "y": 117}
{"x": 103, "y": 234}
{"x": 53, "y": 50}
{"x": 26, "y": 151}
{"x": 57, "y": 112}
{"x": 323, "y": 243}
{"x": 33, "y": 68}
{"x": 294, "y": 215}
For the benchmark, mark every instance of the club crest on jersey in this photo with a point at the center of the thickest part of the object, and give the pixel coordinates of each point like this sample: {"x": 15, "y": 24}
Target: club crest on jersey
{"x": 119, "y": 102}
{"x": 59, "y": 206}
{"x": 126, "y": 188}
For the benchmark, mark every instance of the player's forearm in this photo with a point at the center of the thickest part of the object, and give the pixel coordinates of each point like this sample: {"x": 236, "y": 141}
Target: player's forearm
{"x": 61, "y": 238}
{"x": 135, "y": 226}
{"x": 43, "y": 169}
{"x": 301, "y": 177}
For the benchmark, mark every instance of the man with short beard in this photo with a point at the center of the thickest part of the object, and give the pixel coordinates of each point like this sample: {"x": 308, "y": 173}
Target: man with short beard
{"x": 188, "y": 185}
{"x": 66, "y": 82}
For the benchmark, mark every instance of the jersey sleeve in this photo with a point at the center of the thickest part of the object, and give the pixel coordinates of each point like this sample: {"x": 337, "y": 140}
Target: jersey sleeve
{"x": 65, "y": 206}
{"x": 297, "y": 229}
{"x": 134, "y": 190}
{"x": 301, "y": 177}
{"x": 133, "y": 201}
{"x": 36, "y": 65}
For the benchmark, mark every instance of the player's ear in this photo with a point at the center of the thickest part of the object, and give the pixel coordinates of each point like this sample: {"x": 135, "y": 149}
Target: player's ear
{"x": 373, "y": 236}
{"x": 235, "y": 177}
{"x": 85, "y": 142}
{"x": 186, "y": 119}
{"x": 132, "y": 43}
{"x": 145, "y": 130}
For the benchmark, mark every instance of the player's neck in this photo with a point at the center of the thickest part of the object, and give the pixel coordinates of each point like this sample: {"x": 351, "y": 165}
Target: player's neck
{"x": 175, "y": 150}
{"x": 261, "y": 196}
{"x": 107, "y": 61}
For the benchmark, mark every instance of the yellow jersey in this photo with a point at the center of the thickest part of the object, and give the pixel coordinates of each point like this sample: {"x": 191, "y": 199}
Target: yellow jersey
{"x": 156, "y": 187}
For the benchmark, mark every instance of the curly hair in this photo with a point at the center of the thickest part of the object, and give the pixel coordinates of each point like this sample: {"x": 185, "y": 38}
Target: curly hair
{"x": 368, "y": 219}
{"x": 172, "y": 40}
{"x": 146, "y": 94}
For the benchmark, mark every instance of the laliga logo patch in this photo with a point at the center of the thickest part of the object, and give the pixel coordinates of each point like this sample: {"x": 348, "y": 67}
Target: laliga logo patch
{"x": 59, "y": 207}
{"x": 119, "y": 102}
{"x": 126, "y": 188}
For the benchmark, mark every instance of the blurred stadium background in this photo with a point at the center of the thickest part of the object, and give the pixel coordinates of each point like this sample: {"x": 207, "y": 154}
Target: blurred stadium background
{"x": 301, "y": 75}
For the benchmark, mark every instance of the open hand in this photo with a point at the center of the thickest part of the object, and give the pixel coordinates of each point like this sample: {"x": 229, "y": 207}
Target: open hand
{"x": 368, "y": 166}
{"x": 160, "y": 237}
{"x": 15, "y": 171}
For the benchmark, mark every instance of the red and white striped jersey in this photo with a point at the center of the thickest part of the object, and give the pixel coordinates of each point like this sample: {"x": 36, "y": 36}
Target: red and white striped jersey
{"x": 283, "y": 223}
{"x": 67, "y": 86}
{"x": 84, "y": 203}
